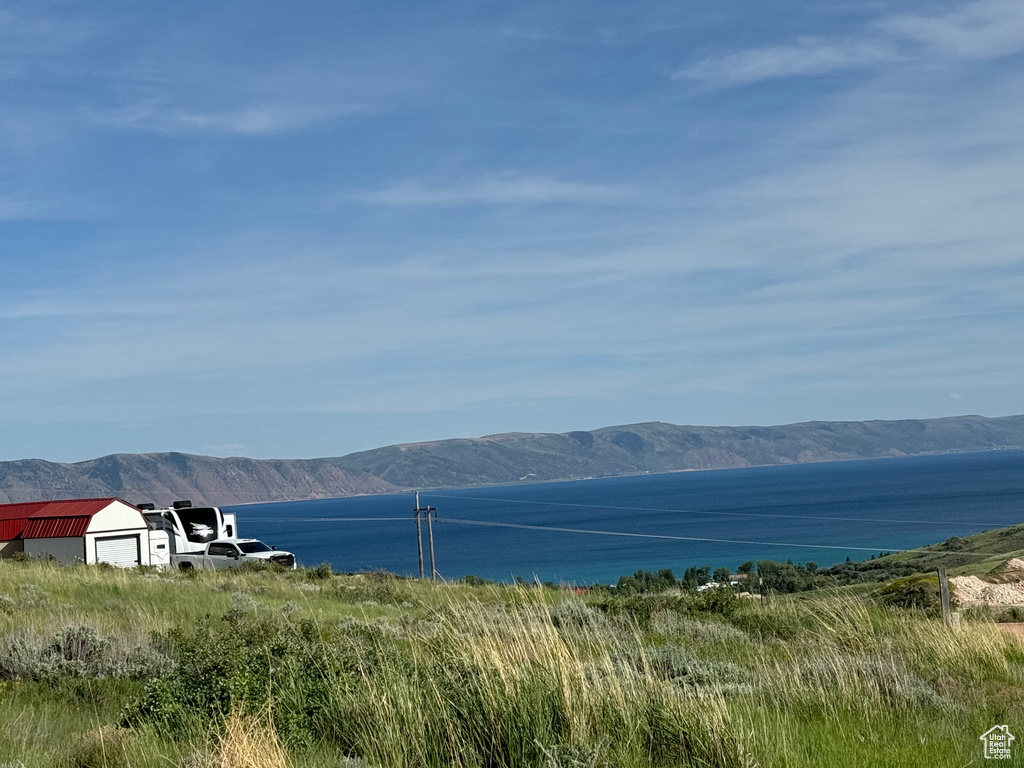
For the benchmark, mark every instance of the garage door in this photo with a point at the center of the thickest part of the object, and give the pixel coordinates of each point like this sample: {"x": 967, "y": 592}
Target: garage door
{"x": 118, "y": 550}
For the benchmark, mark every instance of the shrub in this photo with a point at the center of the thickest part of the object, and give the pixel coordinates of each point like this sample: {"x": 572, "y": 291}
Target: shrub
{"x": 76, "y": 652}
{"x": 243, "y": 603}
{"x": 262, "y": 566}
{"x": 30, "y": 596}
{"x": 644, "y": 582}
{"x": 574, "y": 614}
{"x": 104, "y": 747}
{"x": 677, "y": 664}
{"x": 763, "y": 623}
{"x": 321, "y": 572}
{"x": 674, "y": 627}
{"x": 719, "y": 601}
{"x": 883, "y": 679}
{"x": 79, "y": 645}
{"x": 920, "y": 592}
{"x": 244, "y": 661}
{"x": 1012, "y": 614}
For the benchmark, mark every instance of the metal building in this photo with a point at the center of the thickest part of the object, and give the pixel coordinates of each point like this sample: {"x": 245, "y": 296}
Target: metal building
{"x": 89, "y": 530}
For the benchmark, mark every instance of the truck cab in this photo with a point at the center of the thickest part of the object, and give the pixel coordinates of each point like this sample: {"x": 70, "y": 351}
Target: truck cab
{"x": 234, "y": 552}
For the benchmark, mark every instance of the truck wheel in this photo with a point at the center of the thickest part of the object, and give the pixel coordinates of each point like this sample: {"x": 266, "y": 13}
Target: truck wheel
{"x": 185, "y": 566}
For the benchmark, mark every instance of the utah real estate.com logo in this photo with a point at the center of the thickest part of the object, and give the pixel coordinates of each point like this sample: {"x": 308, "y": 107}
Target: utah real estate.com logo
{"x": 997, "y": 742}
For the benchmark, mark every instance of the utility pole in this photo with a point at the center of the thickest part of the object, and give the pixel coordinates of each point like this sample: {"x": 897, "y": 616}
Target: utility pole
{"x": 431, "y": 514}
{"x": 417, "y": 511}
{"x": 944, "y": 595}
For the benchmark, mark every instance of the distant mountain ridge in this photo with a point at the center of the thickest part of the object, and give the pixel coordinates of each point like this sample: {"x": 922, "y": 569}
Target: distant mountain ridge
{"x": 661, "y": 447}
{"x": 504, "y": 458}
{"x": 164, "y": 477}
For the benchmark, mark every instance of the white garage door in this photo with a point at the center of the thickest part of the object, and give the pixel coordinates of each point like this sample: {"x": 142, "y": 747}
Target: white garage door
{"x": 118, "y": 550}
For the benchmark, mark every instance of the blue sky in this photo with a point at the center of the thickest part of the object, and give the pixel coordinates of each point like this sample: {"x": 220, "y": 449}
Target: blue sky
{"x": 289, "y": 231}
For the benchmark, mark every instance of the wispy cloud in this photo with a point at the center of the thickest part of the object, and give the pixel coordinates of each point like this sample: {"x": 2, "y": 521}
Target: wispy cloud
{"x": 508, "y": 187}
{"x": 808, "y": 56}
{"x": 16, "y": 208}
{"x": 982, "y": 30}
{"x": 979, "y": 30}
{"x": 32, "y": 38}
{"x": 252, "y": 120}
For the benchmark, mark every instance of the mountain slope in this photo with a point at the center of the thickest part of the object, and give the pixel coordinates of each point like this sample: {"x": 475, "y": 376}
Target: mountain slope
{"x": 623, "y": 450}
{"x": 164, "y": 477}
{"x": 660, "y": 447}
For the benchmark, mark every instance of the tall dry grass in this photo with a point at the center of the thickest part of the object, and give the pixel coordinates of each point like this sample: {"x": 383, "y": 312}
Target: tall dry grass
{"x": 248, "y": 741}
{"x": 405, "y": 675}
{"x": 497, "y": 686}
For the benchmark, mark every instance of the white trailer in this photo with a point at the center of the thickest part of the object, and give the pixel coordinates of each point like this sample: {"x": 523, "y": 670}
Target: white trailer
{"x": 203, "y": 537}
{"x": 190, "y": 529}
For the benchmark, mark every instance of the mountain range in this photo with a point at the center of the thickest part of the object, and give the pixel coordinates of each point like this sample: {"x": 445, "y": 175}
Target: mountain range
{"x": 503, "y": 458}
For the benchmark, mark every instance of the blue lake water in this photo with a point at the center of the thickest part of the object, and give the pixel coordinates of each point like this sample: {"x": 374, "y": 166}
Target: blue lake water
{"x": 611, "y": 526}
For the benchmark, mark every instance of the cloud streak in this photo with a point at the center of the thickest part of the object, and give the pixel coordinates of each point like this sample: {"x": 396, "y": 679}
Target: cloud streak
{"x": 809, "y": 56}
{"x": 261, "y": 119}
{"x": 496, "y": 189}
{"x": 986, "y": 29}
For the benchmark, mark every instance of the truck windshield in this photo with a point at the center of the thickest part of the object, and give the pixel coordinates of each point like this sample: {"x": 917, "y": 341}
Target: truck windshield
{"x": 253, "y": 546}
{"x": 201, "y": 523}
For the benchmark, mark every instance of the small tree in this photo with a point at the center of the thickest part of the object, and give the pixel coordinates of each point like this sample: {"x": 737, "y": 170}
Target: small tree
{"x": 722, "y": 575}
{"x": 694, "y": 577}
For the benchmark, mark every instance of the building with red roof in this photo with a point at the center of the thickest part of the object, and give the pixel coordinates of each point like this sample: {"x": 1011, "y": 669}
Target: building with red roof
{"x": 88, "y": 530}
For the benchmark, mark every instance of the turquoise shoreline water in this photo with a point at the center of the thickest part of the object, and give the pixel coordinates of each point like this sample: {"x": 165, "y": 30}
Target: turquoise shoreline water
{"x": 590, "y": 531}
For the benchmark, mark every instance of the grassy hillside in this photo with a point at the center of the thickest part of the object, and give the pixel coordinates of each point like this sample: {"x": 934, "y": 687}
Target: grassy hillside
{"x": 980, "y": 554}
{"x": 977, "y": 554}
{"x": 100, "y": 667}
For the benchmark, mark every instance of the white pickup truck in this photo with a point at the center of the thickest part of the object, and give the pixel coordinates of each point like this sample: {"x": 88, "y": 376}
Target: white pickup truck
{"x": 232, "y": 553}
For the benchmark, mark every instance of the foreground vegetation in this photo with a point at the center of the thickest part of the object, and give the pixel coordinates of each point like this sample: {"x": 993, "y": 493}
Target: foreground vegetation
{"x": 100, "y": 667}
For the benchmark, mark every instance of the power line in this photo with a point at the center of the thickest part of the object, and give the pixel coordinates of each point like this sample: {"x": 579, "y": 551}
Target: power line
{"x": 627, "y": 534}
{"x": 321, "y": 519}
{"x": 461, "y": 521}
{"x": 590, "y": 531}
{"x": 716, "y": 512}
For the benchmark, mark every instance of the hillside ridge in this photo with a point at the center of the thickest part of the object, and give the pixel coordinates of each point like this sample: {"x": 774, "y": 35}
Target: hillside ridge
{"x": 630, "y": 449}
{"x": 651, "y": 447}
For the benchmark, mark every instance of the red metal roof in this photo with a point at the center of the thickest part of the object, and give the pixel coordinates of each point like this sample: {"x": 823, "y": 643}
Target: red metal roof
{"x": 11, "y": 529}
{"x": 20, "y": 511}
{"x": 50, "y": 519}
{"x": 54, "y": 527}
{"x": 61, "y": 508}
{"x": 72, "y": 507}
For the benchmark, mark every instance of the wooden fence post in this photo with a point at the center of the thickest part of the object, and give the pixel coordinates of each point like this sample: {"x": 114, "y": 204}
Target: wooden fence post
{"x": 944, "y": 594}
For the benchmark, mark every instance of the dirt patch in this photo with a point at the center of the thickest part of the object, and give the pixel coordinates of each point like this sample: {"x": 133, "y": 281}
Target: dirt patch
{"x": 1014, "y": 564}
{"x": 971, "y": 590}
{"x": 1016, "y": 630}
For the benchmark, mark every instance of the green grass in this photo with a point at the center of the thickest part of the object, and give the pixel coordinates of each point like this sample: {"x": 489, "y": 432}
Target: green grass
{"x": 978, "y": 554}
{"x": 375, "y": 671}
